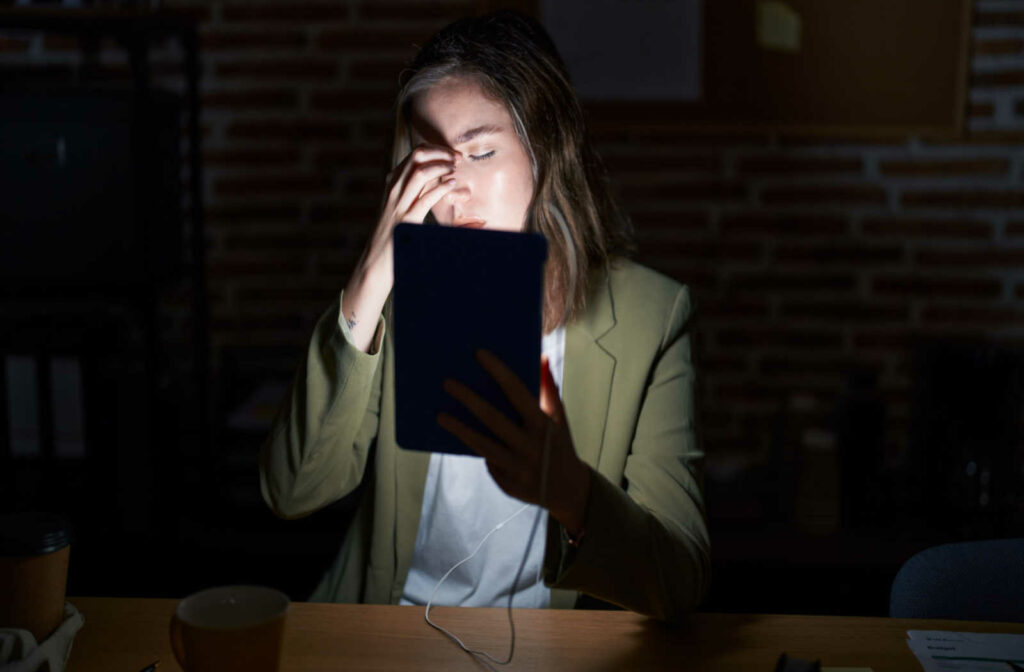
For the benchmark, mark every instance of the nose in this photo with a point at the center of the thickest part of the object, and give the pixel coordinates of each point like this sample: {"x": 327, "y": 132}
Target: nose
{"x": 463, "y": 188}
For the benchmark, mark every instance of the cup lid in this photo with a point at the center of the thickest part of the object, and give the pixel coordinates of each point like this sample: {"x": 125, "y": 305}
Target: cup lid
{"x": 33, "y": 533}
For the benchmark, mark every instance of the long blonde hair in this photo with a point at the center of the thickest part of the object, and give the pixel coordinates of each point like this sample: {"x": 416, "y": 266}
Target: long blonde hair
{"x": 514, "y": 60}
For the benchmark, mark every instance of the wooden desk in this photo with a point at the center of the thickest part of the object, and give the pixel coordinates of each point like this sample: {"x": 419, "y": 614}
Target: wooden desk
{"x": 125, "y": 635}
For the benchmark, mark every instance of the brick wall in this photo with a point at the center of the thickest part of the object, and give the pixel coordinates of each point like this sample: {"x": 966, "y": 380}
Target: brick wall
{"x": 809, "y": 257}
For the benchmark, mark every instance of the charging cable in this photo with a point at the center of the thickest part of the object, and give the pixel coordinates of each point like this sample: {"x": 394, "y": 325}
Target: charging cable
{"x": 482, "y": 655}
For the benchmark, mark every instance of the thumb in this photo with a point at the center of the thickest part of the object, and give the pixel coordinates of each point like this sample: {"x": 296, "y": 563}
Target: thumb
{"x": 550, "y": 403}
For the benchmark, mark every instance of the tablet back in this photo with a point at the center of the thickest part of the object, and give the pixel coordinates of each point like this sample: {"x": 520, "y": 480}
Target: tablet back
{"x": 457, "y": 290}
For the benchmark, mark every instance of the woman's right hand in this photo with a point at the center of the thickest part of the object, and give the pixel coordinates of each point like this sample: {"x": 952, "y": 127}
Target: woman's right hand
{"x": 415, "y": 186}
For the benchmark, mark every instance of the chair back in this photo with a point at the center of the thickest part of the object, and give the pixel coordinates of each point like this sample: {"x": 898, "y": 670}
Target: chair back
{"x": 971, "y": 581}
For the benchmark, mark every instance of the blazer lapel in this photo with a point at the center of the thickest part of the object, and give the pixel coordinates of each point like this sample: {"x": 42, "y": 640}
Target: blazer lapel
{"x": 410, "y": 478}
{"x": 589, "y": 369}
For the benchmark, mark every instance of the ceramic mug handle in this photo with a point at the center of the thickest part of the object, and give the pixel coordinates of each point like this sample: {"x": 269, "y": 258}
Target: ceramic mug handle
{"x": 177, "y": 644}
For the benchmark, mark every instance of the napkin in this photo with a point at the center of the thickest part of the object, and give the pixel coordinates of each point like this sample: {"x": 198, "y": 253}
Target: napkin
{"x": 19, "y": 651}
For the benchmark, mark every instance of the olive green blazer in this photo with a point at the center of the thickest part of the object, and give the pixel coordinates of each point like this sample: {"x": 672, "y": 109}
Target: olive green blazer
{"x": 628, "y": 394}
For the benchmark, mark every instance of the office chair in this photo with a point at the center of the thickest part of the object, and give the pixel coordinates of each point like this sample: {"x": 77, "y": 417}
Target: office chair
{"x": 971, "y": 581}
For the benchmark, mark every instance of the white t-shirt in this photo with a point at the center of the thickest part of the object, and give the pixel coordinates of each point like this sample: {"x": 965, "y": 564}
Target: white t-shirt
{"x": 461, "y": 504}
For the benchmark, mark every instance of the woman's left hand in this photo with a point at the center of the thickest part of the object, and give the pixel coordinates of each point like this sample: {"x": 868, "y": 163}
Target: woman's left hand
{"x": 516, "y": 459}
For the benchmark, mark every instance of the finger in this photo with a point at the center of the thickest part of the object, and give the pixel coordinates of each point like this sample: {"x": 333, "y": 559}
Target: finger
{"x": 399, "y": 175}
{"x": 550, "y": 402}
{"x": 525, "y": 403}
{"x": 483, "y": 446}
{"x": 418, "y": 179}
{"x": 506, "y": 430}
{"x": 429, "y": 198}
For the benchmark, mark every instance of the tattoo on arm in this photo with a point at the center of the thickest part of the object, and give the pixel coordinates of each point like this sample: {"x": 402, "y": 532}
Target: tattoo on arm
{"x": 352, "y": 321}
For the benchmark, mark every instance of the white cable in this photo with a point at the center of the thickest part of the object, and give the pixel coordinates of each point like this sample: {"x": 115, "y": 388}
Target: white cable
{"x": 480, "y": 655}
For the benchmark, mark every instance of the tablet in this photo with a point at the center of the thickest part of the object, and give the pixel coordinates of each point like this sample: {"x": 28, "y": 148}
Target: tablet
{"x": 457, "y": 290}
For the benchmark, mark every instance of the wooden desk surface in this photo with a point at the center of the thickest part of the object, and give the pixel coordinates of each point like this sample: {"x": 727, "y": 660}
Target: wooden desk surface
{"x": 126, "y": 634}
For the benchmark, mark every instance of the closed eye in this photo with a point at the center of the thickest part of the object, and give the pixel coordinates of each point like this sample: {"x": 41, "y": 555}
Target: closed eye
{"x": 481, "y": 157}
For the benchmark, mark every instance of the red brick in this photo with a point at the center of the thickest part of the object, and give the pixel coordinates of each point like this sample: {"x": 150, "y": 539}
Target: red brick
{"x": 234, "y": 265}
{"x": 622, "y": 162}
{"x": 980, "y": 110}
{"x": 434, "y": 11}
{"x": 814, "y": 195}
{"x": 290, "y": 68}
{"x": 257, "y": 321}
{"x": 247, "y": 157}
{"x": 287, "y": 183}
{"x": 927, "y": 228}
{"x": 249, "y": 40}
{"x": 987, "y": 316}
{"x": 289, "y": 295}
{"x": 960, "y": 286}
{"x": 358, "y": 39}
{"x": 250, "y": 213}
{"x": 297, "y": 12}
{"x": 298, "y": 238}
{"x": 250, "y": 99}
{"x": 982, "y": 258}
{"x": 620, "y": 130}
{"x": 799, "y": 166}
{"x": 978, "y": 138}
{"x": 683, "y": 191}
{"x": 965, "y": 199}
{"x": 998, "y": 78}
{"x": 839, "y": 253}
{"x": 661, "y": 221}
{"x": 773, "y": 392}
{"x": 359, "y": 185}
{"x": 884, "y": 340}
{"x": 706, "y": 251}
{"x": 14, "y": 45}
{"x": 782, "y": 225}
{"x": 794, "y": 139}
{"x": 714, "y": 364}
{"x": 832, "y": 367}
{"x": 732, "y": 308}
{"x": 351, "y": 213}
{"x": 777, "y": 281}
{"x": 988, "y": 19}
{"x": 297, "y": 130}
{"x": 845, "y": 311}
{"x": 950, "y": 168}
{"x": 350, "y": 158}
{"x": 377, "y": 70}
{"x": 343, "y": 100}
{"x": 1000, "y": 47}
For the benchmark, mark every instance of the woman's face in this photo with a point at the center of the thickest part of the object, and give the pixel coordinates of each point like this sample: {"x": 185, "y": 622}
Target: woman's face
{"x": 493, "y": 177}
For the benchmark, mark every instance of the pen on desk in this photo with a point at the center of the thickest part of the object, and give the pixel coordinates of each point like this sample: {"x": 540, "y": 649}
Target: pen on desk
{"x": 151, "y": 667}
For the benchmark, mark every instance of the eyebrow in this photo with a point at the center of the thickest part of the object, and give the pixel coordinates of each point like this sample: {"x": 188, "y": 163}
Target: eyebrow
{"x": 474, "y": 132}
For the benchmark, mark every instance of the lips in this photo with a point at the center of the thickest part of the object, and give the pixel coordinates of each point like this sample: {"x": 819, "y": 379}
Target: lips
{"x": 469, "y": 223}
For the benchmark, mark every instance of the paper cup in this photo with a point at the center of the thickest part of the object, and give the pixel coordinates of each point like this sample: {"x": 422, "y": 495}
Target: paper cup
{"x": 34, "y": 553}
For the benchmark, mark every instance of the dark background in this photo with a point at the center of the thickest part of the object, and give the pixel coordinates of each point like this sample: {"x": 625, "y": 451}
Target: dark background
{"x": 860, "y": 299}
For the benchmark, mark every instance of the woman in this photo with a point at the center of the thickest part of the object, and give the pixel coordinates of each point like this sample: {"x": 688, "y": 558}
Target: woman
{"x": 490, "y": 134}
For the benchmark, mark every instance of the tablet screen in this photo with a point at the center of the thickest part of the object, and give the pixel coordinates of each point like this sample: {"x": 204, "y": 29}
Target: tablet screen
{"x": 457, "y": 290}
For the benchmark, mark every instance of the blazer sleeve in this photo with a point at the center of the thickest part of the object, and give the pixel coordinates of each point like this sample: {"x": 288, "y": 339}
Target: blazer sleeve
{"x": 645, "y": 545}
{"x": 318, "y": 446}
